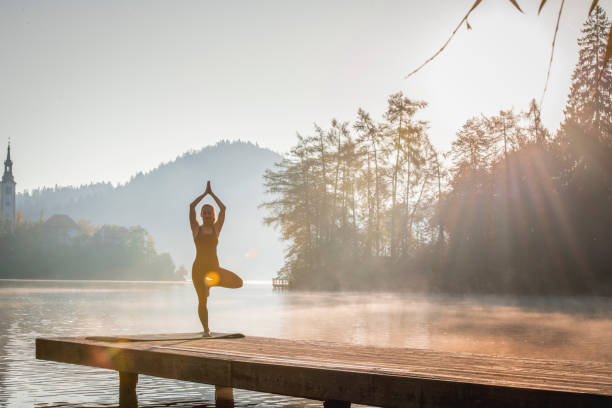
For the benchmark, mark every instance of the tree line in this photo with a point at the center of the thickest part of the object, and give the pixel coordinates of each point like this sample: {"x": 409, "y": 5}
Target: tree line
{"x": 510, "y": 208}
{"x": 37, "y": 250}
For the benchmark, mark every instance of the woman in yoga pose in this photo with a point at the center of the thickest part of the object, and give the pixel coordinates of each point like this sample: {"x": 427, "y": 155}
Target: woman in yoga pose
{"x": 206, "y": 271}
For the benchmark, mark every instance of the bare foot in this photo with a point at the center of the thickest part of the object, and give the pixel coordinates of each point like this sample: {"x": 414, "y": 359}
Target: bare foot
{"x": 206, "y": 333}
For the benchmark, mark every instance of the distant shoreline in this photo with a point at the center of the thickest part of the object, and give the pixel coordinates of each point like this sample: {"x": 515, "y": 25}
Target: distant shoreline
{"x": 371, "y": 290}
{"x": 249, "y": 282}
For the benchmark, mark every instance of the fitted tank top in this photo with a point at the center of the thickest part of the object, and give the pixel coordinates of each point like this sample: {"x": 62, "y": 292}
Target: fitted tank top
{"x": 206, "y": 248}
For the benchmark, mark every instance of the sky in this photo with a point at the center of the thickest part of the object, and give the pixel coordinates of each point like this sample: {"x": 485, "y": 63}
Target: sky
{"x": 99, "y": 90}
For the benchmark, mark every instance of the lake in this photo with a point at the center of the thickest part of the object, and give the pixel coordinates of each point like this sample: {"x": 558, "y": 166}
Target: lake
{"x": 569, "y": 328}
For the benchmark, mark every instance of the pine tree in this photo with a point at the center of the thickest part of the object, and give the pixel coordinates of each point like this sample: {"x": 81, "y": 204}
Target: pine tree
{"x": 293, "y": 206}
{"x": 537, "y": 132}
{"x": 587, "y": 107}
{"x": 370, "y": 138}
{"x": 403, "y": 142}
{"x": 504, "y": 133}
{"x": 474, "y": 147}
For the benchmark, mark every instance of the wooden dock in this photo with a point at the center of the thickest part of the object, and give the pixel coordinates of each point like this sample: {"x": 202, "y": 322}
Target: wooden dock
{"x": 341, "y": 373}
{"x": 280, "y": 283}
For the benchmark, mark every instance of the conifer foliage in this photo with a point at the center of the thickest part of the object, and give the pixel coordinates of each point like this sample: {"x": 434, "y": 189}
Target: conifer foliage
{"x": 589, "y": 103}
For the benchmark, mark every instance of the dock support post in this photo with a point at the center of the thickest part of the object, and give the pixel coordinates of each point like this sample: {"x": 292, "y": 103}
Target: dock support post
{"x": 336, "y": 404}
{"x": 224, "y": 397}
{"x": 127, "y": 390}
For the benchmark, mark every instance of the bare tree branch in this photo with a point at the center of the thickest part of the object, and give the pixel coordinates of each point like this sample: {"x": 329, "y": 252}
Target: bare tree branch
{"x": 552, "y": 53}
{"x": 464, "y": 19}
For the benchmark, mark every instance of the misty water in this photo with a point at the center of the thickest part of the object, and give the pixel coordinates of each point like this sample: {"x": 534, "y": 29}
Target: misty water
{"x": 569, "y": 328}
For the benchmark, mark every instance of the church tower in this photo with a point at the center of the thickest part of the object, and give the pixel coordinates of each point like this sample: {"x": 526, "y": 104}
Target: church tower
{"x": 7, "y": 190}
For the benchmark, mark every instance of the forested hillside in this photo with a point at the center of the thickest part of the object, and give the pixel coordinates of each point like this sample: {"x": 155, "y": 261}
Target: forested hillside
{"x": 159, "y": 201}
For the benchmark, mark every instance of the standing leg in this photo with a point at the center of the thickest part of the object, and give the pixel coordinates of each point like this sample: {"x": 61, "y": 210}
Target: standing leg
{"x": 202, "y": 291}
{"x": 203, "y": 315}
{"x": 127, "y": 390}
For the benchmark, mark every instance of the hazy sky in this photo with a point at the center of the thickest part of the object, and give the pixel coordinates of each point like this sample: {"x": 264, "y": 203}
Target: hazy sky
{"x": 99, "y": 90}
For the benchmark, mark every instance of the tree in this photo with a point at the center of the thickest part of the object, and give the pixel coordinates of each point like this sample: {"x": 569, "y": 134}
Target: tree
{"x": 474, "y": 148}
{"x": 403, "y": 143}
{"x": 296, "y": 205}
{"x": 589, "y": 105}
{"x": 182, "y": 272}
{"x": 370, "y": 139}
{"x": 539, "y": 134}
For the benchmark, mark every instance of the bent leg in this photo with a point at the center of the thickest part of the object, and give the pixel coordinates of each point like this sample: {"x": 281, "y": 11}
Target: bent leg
{"x": 228, "y": 279}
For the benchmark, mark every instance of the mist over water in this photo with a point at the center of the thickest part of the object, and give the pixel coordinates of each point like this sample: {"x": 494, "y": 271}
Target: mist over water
{"x": 575, "y": 328}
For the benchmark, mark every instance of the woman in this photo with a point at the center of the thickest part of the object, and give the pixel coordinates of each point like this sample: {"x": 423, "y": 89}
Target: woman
{"x": 206, "y": 272}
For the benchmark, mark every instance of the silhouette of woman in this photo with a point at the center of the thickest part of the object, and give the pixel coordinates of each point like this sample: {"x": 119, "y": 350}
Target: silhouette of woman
{"x": 206, "y": 271}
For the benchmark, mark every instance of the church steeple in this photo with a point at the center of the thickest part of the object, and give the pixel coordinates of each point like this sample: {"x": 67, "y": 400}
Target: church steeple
{"x": 7, "y": 190}
{"x": 8, "y": 166}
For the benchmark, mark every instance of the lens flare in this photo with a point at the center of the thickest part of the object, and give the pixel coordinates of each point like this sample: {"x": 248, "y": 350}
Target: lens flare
{"x": 211, "y": 278}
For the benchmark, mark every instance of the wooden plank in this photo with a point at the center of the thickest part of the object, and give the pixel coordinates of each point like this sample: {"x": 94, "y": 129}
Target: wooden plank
{"x": 394, "y": 377}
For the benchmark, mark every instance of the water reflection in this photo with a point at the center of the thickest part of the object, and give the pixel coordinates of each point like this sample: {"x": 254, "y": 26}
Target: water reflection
{"x": 564, "y": 328}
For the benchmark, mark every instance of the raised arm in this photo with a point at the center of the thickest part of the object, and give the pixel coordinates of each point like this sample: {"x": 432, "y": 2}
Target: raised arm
{"x": 192, "y": 215}
{"x": 221, "y": 218}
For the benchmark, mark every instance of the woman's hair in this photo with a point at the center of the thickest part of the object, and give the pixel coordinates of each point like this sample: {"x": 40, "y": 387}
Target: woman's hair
{"x": 213, "y": 212}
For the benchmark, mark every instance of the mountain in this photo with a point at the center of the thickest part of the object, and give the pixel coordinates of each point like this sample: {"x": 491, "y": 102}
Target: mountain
{"x": 159, "y": 201}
